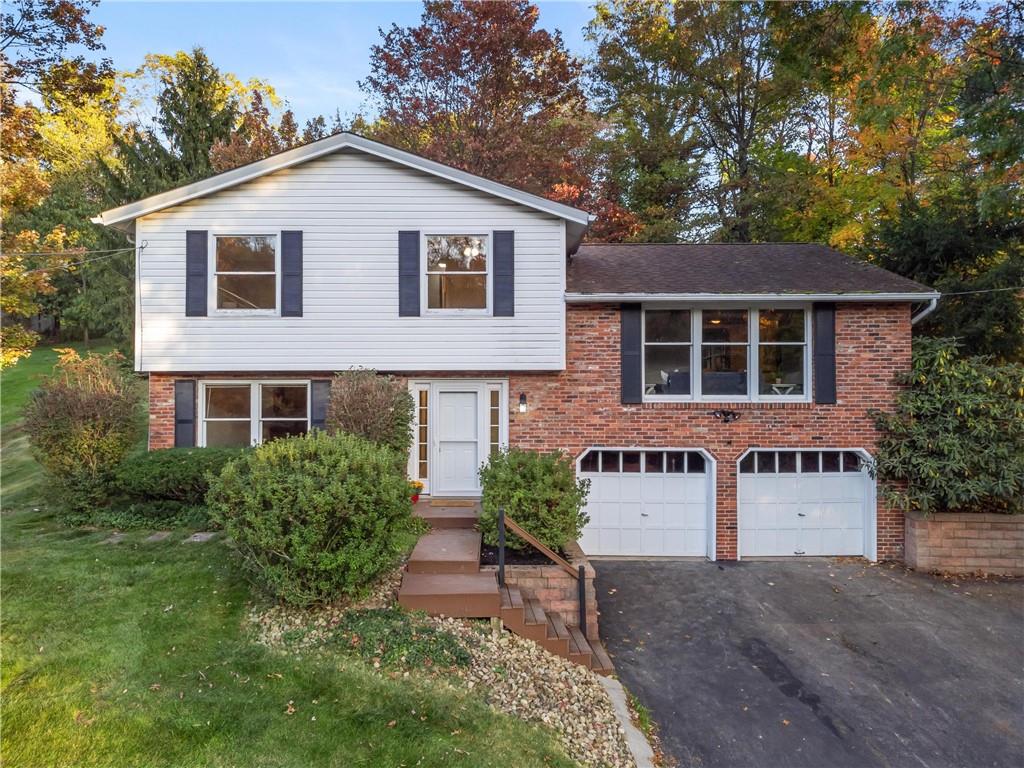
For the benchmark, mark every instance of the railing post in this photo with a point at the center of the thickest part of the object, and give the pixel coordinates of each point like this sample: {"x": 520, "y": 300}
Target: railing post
{"x": 581, "y": 584}
{"x": 501, "y": 546}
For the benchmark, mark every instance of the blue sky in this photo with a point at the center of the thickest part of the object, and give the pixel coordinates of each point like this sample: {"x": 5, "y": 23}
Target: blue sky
{"x": 313, "y": 53}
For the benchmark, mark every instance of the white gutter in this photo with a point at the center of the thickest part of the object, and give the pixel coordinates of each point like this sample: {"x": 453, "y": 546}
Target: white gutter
{"x": 583, "y": 298}
{"x": 932, "y": 306}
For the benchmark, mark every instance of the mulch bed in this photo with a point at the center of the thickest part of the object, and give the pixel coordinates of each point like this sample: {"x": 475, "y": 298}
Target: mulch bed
{"x": 529, "y": 556}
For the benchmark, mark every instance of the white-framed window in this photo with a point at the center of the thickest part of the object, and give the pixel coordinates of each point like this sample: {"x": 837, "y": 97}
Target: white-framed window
{"x": 456, "y": 272}
{"x": 241, "y": 413}
{"x": 244, "y": 273}
{"x": 727, "y": 354}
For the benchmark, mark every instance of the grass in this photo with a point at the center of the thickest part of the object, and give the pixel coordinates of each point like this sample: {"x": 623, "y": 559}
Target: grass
{"x": 19, "y": 470}
{"x": 136, "y": 654}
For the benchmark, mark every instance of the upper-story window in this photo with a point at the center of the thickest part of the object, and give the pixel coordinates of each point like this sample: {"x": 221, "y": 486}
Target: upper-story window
{"x": 726, "y": 354}
{"x": 245, "y": 272}
{"x": 457, "y": 272}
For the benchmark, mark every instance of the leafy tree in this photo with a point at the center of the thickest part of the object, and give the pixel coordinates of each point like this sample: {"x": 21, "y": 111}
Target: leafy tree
{"x": 196, "y": 107}
{"x": 947, "y": 245}
{"x": 35, "y": 39}
{"x": 991, "y": 105}
{"x": 479, "y": 86}
{"x": 644, "y": 52}
{"x": 955, "y": 442}
{"x": 256, "y": 136}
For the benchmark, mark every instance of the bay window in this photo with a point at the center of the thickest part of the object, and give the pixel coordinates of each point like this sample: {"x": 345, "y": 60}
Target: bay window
{"x": 726, "y": 354}
{"x": 249, "y": 413}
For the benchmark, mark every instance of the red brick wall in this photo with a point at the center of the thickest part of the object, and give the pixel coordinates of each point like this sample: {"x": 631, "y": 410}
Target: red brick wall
{"x": 580, "y": 407}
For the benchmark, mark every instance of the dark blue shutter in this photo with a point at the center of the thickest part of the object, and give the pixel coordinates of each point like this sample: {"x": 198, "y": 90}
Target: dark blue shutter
{"x": 632, "y": 378}
{"x": 824, "y": 353}
{"x": 408, "y": 274}
{"x": 319, "y": 394}
{"x": 504, "y": 274}
{"x": 291, "y": 274}
{"x": 195, "y": 273}
{"x": 184, "y": 414}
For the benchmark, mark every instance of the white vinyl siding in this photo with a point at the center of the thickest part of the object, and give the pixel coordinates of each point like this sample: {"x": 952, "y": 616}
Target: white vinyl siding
{"x": 350, "y": 208}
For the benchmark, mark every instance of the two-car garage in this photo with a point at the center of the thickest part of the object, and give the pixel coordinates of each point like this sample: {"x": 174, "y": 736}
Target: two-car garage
{"x": 646, "y": 502}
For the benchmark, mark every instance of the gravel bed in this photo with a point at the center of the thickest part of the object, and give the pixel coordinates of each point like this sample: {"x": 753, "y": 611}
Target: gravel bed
{"x": 515, "y": 675}
{"x": 522, "y": 679}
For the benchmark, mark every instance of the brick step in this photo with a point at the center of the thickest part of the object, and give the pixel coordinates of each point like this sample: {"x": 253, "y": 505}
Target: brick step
{"x": 446, "y": 550}
{"x": 465, "y": 595}
{"x": 442, "y": 513}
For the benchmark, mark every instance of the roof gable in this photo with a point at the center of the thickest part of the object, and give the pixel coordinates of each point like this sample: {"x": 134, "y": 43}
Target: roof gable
{"x": 124, "y": 215}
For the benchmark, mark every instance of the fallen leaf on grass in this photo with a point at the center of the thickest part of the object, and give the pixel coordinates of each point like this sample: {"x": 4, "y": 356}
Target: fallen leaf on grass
{"x": 290, "y": 709}
{"x": 392, "y": 724}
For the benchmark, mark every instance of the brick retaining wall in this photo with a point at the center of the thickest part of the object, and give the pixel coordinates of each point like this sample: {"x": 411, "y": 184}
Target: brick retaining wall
{"x": 555, "y": 589}
{"x": 966, "y": 543}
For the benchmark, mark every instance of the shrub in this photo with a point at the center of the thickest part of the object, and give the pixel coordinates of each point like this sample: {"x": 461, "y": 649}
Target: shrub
{"x": 397, "y": 638}
{"x": 168, "y": 486}
{"x": 378, "y": 408}
{"x": 955, "y": 441}
{"x": 313, "y": 516}
{"x": 539, "y": 491}
{"x": 81, "y": 422}
{"x": 175, "y": 474}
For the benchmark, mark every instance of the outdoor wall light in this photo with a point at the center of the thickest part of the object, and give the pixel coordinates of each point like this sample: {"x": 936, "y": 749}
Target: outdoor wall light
{"x": 726, "y": 416}
{"x": 522, "y": 402}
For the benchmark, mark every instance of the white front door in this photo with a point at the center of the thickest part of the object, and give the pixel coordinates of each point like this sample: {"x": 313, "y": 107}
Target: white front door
{"x": 457, "y": 447}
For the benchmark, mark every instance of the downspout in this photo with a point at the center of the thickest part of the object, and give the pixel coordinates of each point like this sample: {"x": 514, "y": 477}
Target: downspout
{"x": 932, "y": 305}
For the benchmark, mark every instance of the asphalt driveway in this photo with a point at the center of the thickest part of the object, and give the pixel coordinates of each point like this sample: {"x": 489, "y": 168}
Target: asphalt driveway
{"x": 819, "y": 663}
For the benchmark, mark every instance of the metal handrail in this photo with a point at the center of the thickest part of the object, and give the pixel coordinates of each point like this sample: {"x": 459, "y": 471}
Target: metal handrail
{"x": 578, "y": 573}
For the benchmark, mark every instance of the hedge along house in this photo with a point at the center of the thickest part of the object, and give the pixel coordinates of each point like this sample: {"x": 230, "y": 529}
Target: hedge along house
{"x": 717, "y": 396}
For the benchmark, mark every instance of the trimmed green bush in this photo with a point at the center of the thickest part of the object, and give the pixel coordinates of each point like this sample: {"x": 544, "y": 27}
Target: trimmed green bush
{"x": 539, "y": 491}
{"x": 81, "y": 423}
{"x": 376, "y": 407}
{"x": 955, "y": 440}
{"x": 315, "y": 516}
{"x": 175, "y": 474}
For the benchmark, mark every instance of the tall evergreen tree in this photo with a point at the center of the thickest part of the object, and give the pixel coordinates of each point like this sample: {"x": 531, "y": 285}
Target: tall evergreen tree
{"x": 195, "y": 109}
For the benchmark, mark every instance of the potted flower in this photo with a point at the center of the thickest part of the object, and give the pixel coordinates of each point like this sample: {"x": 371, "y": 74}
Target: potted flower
{"x": 415, "y": 489}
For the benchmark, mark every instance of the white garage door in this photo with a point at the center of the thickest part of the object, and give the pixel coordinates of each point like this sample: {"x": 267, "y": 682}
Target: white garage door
{"x": 647, "y": 502}
{"x": 804, "y": 503}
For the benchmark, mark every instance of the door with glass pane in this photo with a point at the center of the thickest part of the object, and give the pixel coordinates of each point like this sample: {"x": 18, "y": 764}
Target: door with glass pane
{"x": 458, "y": 425}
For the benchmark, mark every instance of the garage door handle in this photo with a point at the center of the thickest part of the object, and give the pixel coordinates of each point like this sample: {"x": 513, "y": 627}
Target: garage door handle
{"x": 644, "y": 514}
{"x": 801, "y": 514}
{"x": 798, "y": 552}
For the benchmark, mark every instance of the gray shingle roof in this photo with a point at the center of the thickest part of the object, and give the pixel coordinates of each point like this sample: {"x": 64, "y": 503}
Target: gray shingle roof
{"x": 727, "y": 268}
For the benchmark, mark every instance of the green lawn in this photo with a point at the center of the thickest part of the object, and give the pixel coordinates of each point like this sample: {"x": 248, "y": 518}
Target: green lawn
{"x": 136, "y": 654}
